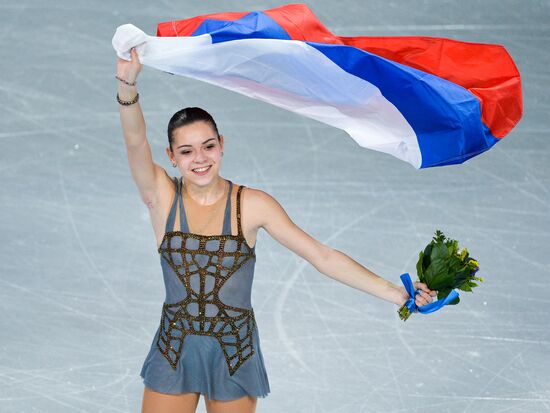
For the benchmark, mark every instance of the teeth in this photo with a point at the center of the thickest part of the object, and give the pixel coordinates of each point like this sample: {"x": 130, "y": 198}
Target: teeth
{"x": 201, "y": 169}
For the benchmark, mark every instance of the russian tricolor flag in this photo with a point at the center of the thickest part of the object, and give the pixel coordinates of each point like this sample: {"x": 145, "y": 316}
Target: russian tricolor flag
{"x": 427, "y": 101}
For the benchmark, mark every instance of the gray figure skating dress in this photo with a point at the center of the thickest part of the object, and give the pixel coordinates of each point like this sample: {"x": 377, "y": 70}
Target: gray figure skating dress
{"x": 207, "y": 340}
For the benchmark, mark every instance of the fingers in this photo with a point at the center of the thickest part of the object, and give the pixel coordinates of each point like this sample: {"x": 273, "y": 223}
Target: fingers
{"x": 135, "y": 56}
{"x": 424, "y": 287}
{"x": 421, "y": 286}
{"x": 423, "y": 298}
{"x": 425, "y": 295}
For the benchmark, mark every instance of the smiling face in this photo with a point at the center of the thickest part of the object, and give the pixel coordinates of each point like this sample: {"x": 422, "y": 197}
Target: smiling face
{"x": 196, "y": 145}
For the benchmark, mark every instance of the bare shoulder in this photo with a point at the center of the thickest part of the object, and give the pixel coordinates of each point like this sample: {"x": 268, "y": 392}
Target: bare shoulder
{"x": 260, "y": 206}
{"x": 254, "y": 195}
{"x": 259, "y": 197}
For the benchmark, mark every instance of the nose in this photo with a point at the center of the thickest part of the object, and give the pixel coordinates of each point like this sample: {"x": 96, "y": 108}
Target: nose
{"x": 201, "y": 157}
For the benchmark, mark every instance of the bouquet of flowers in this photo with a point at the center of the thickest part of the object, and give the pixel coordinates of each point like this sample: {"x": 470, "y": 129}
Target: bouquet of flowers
{"x": 442, "y": 267}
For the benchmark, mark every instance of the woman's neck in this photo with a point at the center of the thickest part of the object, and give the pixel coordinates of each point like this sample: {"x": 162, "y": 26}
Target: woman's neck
{"x": 208, "y": 194}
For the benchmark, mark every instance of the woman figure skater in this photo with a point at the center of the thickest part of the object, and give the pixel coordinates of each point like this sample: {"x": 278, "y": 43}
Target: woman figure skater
{"x": 205, "y": 226}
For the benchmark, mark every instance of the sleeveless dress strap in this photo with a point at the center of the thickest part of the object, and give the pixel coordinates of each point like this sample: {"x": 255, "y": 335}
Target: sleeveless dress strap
{"x": 184, "y": 227}
{"x": 240, "y": 230}
{"x": 172, "y": 214}
{"x": 226, "y": 230}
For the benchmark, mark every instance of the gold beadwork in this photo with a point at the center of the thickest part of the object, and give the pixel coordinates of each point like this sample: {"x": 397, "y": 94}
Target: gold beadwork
{"x": 128, "y": 102}
{"x": 229, "y": 321}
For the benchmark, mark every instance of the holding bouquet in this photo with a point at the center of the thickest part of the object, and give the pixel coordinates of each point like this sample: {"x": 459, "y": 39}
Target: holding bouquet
{"x": 442, "y": 267}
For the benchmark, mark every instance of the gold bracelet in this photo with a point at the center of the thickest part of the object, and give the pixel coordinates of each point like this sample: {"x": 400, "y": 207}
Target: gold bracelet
{"x": 127, "y": 102}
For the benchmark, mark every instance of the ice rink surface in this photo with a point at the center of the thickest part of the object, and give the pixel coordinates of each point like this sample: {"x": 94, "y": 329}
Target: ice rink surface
{"x": 81, "y": 286}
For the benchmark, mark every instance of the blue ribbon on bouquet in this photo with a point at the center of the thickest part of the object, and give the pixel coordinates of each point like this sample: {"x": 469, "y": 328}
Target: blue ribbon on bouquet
{"x": 428, "y": 308}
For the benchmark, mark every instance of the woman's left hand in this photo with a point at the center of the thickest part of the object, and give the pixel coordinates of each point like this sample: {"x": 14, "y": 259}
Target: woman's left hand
{"x": 425, "y": 296}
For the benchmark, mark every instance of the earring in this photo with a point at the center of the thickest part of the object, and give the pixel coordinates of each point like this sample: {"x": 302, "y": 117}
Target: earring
{"x": 222, "y": 153}
{"x": 174, "y": 165}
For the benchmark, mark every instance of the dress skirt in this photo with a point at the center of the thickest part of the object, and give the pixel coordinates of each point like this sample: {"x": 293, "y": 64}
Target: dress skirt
{"x": 202, "y": 368}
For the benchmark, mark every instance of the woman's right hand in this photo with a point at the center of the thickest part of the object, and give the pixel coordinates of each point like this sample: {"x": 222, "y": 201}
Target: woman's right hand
{"x": 129, "y": 70}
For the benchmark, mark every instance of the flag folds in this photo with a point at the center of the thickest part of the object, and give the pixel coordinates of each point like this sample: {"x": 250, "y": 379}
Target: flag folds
{"x": 427, "y": 101}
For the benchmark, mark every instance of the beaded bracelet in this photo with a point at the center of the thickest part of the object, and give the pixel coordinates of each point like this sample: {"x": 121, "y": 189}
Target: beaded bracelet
{"x": 127, "y": 102}
{"x": 124, "y": 81}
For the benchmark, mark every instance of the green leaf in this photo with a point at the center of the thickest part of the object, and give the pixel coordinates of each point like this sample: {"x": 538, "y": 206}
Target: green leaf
{"x": 461, "y": 277}
{"x": 429, "y": 275}
{"x": 439, "y": 251}
{"x": 465, "y": 287}
{"x": 454, "y": 264}
{"x": 438, "y": 277}
{"x": 439, "y": 237}
{"x": 426, "y": 260}
{"x": 419, "y": 270}
{"x": 452, "y": 247}
{"x": 442, "y": 293}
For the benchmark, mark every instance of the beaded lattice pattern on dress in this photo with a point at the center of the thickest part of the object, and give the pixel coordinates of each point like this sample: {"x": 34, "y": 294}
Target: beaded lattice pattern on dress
{"x": 231, "y": 326}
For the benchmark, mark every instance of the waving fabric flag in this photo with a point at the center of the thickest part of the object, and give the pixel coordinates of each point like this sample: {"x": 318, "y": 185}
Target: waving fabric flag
{"x": 425, "y": 100}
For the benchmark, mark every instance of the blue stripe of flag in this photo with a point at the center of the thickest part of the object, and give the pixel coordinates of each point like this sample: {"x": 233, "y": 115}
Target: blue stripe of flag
{"x": 445, "y": 117}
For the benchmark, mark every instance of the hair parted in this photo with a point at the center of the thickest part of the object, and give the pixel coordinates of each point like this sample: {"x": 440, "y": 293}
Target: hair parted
{"x": 187, "y": 116}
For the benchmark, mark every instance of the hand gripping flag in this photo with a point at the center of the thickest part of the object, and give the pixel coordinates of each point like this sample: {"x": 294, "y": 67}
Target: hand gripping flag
{"x": 425, "y": 100}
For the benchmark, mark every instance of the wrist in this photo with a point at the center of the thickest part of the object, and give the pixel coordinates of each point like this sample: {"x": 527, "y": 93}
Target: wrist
{"x": 126, "y": 92}
{"x": 402, "y": 296}
{"x": 128, "y": 82}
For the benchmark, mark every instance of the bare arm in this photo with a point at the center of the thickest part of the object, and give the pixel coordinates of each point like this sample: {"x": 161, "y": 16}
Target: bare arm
{"x": 145, "y": 172}
{"x": 333, "y": 263}
{"x": 343, "y": 268}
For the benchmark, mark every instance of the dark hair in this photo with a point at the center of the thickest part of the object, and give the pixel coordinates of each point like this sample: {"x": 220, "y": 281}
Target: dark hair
{"x": 189, "y": 115}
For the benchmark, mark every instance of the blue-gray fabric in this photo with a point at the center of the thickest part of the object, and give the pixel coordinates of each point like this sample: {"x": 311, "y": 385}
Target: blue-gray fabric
{"x": 202, "y": 367}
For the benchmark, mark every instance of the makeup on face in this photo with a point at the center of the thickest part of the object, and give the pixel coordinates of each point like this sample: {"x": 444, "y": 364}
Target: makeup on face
{"x": 198, "y": 151}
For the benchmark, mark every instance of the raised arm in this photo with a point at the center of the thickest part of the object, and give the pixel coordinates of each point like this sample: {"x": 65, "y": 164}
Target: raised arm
{"x": 145, "y": 172}
{"x": 270, "y": 215}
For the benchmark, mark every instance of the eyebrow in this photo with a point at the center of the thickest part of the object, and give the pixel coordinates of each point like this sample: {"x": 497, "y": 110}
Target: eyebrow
{"x": 181, "y": 146}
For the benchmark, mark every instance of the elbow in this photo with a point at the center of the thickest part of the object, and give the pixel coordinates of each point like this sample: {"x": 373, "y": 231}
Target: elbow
{"x": 323, "y": 257}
